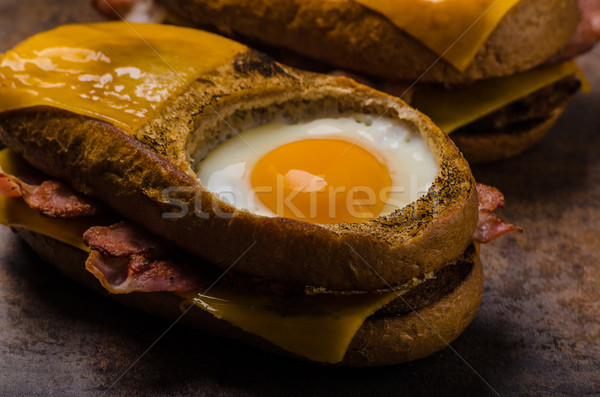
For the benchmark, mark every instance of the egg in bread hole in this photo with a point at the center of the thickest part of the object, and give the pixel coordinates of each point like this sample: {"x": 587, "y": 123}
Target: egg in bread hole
{"x": 325, "y": 292}
{"x": 348, "y": 169}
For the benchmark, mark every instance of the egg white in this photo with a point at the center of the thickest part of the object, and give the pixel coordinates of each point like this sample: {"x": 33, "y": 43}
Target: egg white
{"x": 226, "y": 170}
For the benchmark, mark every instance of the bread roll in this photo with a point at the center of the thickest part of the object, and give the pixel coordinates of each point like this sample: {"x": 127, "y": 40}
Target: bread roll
{"x": 352, "y": 37}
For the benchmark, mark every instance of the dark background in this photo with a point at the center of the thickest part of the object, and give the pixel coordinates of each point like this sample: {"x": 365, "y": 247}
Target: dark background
{"x": 537, "y": 331}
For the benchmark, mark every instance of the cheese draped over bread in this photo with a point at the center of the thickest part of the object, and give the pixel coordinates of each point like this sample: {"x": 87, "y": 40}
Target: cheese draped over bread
{"x": 453, "y": 108}
{"x": 453, "y": 29}
{"x": 118, "y": 72}
{"x": 125, "y": 73}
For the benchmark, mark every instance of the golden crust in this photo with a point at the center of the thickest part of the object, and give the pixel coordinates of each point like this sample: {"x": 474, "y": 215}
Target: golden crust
{"x": 129, "y": 170}
{"x": 348, "y": 35}
{"x": 382, "y": 340}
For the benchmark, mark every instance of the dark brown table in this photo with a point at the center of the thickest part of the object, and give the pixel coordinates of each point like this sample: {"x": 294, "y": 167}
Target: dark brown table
{"x": 537, "y": 331}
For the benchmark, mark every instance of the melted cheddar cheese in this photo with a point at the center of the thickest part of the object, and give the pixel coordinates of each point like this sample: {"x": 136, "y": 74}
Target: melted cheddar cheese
{"x": 318, "y": 327}
{"x": 114, "y": 71}
{"x": 453, "y": 29}
{"x": 454, "y": 108}
{"x": 124, "y": 73}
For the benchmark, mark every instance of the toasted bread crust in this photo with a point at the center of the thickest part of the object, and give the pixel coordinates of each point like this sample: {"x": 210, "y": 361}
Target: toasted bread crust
{"x": 129, "y": 171}
{"x": 348, "y": 35}
{"x": 382, "y": 340}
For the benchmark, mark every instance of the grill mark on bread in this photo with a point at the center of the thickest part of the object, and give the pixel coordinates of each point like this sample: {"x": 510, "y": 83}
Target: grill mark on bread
{"x": 256, "y": 62}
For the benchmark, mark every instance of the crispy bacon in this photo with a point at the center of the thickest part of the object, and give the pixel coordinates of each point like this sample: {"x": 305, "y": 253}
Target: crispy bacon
{"x": 490, "y": 225}
{"x": 126, "y": 258}
{"x": 130, "y": 10}
{"x": 586, "y": 34}
{"x": 50, "y": 197}
{"x": 123, "y": 239}
{"x": 8, "y": 186}
{"x": 113, "y": 9}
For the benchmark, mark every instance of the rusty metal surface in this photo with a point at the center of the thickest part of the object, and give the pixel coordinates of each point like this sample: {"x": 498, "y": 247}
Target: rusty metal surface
{"x": 537, "y": 331}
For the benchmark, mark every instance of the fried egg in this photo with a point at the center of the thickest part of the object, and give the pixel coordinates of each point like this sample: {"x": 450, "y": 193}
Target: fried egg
{"x": 329, "y": 170}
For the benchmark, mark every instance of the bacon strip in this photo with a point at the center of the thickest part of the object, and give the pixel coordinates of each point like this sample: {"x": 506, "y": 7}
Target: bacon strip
{"x": 130, "y": 10}
{"x": 8, "y": 187}
{"x": 586, "y": 34}
{"x": 490, "y": 225}
{"x": 126, "y": 258}
{"x": 50, "y": 197}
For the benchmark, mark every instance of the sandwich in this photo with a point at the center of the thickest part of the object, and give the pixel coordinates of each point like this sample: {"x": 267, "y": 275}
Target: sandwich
{"x": 186, "y": 175}
{"x": 495, "y": 75}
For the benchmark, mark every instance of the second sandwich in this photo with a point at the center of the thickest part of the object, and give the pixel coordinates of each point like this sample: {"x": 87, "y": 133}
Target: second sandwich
{"x": 494, "y": 74}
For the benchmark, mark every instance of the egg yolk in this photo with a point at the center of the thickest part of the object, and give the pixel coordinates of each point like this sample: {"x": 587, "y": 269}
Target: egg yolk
{"x": 322, "y": 181}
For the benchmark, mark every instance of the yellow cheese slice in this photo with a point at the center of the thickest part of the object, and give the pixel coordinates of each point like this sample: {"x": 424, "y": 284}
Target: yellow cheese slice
{"x": 454, "y": 29}
{"x": 14, "y": 212}
{"x": 114, "y": 71}
{"x": 586, "y": 86}
{"x": 454, "y": 108}
{"x": 319, "y": 328}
